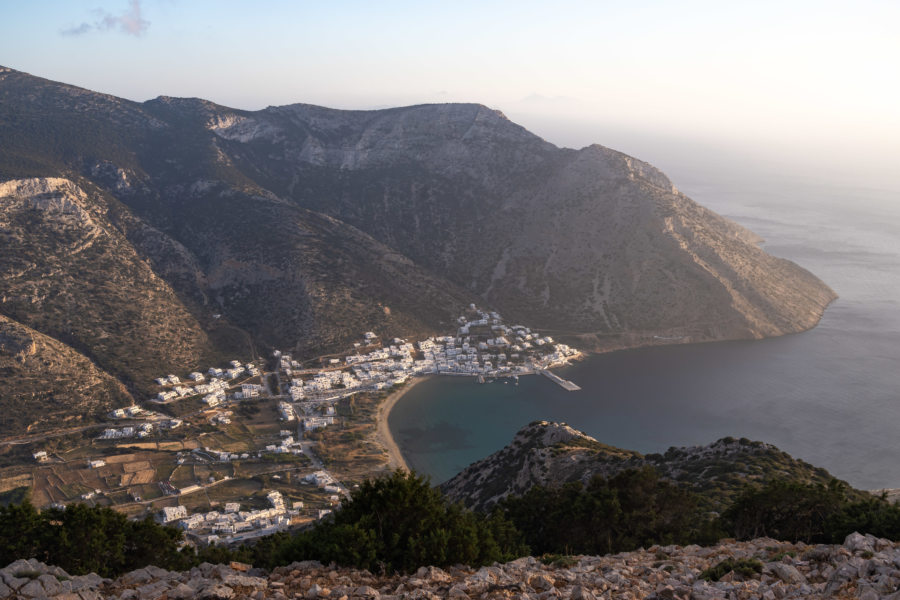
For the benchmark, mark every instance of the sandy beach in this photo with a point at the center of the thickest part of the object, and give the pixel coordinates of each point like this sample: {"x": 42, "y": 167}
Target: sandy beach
{"x": 383, "y": 432}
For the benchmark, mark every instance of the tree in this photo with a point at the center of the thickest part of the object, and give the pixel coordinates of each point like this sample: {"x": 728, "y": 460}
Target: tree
{"x": 83, "y": 539}
{"x": 20, "y": 532}
{"x": 634, "y": 508}
{"x": 400, "y": 522}
{"x": 147, "y": 543}
{"x": 87, "y": 539}
{"x": 786, "y": 510}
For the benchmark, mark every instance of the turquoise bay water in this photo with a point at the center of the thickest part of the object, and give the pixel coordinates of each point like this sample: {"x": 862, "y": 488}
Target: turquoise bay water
{"x": 830, "y": 396}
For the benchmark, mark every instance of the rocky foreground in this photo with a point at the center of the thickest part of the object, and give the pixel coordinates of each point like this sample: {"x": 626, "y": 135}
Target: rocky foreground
{"x": 863, "y": 567}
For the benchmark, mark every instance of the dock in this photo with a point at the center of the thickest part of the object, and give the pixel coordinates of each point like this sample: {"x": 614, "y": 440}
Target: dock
{"x": 563, "y": 383}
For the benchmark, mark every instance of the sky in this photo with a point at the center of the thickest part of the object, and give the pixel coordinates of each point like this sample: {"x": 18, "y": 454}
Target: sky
{"x": 810, "y": 84}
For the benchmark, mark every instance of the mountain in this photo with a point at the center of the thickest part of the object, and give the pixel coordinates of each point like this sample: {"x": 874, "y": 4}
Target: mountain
{"x": 589, "y": 242}
{"x": 551, "y": 454}
{"x": 160, "y": 236}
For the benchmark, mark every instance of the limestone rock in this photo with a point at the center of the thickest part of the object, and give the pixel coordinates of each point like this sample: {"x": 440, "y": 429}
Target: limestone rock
{"x": 633, "y": 575}
{"x": 786, "y": 573}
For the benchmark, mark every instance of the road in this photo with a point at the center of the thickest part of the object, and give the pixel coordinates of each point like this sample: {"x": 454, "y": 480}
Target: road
{"x": 29, "y": 439}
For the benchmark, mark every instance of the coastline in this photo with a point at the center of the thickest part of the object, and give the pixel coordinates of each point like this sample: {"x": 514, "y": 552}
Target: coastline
{"x": 383, "y": 432}
{"x": 590, "y": 344}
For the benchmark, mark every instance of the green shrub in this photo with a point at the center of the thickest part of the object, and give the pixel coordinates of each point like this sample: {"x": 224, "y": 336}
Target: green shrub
{"x": 810, "y": 513}
{"x": 633, "y": 509}
{"x": 82, "y": 539}
{"x": 563, "y": 561}
{"x": 745, "y": 567}
{"x": 399, "y": 523}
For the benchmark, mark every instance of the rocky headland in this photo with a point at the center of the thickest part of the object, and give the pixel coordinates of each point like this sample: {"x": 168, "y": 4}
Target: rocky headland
{"x": 550, "y": 454}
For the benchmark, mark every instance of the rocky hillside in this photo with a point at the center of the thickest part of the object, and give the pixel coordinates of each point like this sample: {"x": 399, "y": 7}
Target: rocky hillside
{"x": 863, "y": 567}
{"x": 97, "y": 313}
{"x": 551, "y": 454}
{"x": 206, "y": 231}
{"x": 589, "y": 242}
{"x": 63, "y": 388}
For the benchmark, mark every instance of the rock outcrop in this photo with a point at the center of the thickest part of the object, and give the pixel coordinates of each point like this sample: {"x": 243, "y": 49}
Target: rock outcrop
{"x": 551, "y": 454}
{"x": 863, "y": 567}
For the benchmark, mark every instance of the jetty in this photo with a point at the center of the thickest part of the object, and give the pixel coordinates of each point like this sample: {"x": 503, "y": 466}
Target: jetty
{"x": 563, "y": 383}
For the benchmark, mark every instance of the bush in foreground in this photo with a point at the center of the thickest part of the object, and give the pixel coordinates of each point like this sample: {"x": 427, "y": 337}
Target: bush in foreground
{"x": 399, "y": 523}
{"x": 632, "y": 509}
{"x": 810, "y": 513}
{"x": 81, "y": 539}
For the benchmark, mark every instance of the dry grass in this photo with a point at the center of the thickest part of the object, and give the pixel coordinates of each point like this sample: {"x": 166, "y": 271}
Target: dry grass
{"x": 139, "y": 446}
{"x": 138, "y": 477}
{"x": 234, "y": 490}
{"x": 119, "y": 458}
{"x": 11, "y": 483}
{"x": 173, "y": 446}
{"x": 133, "y": 467}
{"x": 40, "y": 497}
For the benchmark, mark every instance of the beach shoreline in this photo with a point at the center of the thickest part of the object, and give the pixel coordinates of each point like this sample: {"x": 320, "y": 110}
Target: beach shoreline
{"x": 383, "y": 431}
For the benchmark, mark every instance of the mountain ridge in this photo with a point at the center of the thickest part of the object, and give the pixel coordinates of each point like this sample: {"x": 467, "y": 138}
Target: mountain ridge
{"x": 549, "y": 454}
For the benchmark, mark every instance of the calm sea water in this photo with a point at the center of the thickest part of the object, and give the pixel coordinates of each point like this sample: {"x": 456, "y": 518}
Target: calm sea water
{"x": 830, "y": 396}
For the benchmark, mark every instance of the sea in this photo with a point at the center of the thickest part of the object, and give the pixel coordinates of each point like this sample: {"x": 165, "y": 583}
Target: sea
{"x": 829, "y": 396}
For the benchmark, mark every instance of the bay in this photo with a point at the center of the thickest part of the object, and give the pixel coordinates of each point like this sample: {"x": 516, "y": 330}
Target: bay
{"x": 830, "y": 396}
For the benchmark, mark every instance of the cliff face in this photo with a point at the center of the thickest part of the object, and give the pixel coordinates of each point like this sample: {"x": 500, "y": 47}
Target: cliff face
{"x": 551, "y": 454}
{"x": 589, "y": 242}
{"x": 303, "y": 226}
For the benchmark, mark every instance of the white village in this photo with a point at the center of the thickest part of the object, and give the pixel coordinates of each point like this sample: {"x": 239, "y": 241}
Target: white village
{"x": 306, "y": 397}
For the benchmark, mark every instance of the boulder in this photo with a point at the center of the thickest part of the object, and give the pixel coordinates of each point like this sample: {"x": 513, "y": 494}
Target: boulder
{"x": 786, "y": 573}
{"x": 217, "y": 592}
{"x": 856, "y": 542}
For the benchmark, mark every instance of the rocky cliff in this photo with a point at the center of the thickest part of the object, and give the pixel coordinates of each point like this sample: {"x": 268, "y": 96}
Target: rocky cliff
{"x": 300, "y": 227}
{"x": 862, "y": 567}
{"x": 551, "y": 454}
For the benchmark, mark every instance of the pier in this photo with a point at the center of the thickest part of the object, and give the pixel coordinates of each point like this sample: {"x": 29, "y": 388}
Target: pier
{"x": 563, "y": 383}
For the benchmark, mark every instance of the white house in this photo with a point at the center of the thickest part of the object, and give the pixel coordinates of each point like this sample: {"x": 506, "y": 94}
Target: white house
{"x": 173, "y": 513}
{"x": 287, "y": 411}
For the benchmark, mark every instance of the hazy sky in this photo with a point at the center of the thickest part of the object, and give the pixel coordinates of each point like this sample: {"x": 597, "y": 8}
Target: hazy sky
{"x": 815, "y": 81}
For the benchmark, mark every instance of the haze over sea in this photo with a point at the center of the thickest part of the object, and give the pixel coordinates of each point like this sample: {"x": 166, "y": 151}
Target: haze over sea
{"x": 830, "y": 396}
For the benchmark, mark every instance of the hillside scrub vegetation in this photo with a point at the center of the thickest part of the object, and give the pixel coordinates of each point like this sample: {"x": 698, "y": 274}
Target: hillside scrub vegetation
{"x": 397, "y": 523}
{"x": 637, "y": 508}
{"x": 632, "y": 509}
